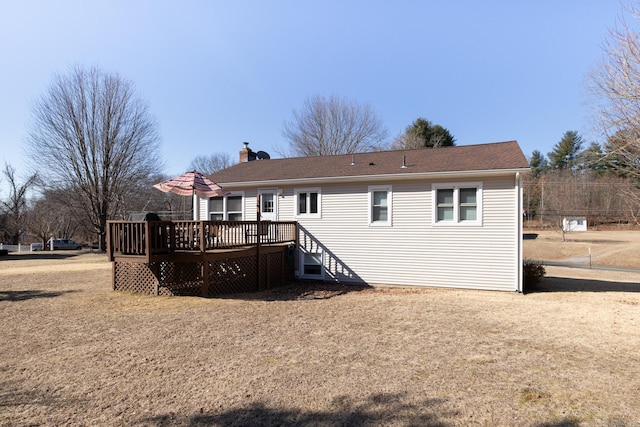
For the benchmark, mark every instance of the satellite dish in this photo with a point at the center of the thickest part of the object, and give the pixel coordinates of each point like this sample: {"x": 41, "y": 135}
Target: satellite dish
{"x": 263, "y": 155}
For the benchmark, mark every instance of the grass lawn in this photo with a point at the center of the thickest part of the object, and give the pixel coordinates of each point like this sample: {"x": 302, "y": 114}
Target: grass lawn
{"x": 73, "y": 352}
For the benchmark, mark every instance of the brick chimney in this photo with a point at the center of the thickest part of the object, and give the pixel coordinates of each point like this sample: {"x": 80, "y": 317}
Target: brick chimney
{"x": 246, "y": 154}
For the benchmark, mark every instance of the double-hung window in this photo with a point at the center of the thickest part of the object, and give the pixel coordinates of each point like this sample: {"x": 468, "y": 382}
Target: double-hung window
{"x": 308, "y": 202}
{"x": 227, "y": 208}
{"x": 380, "y": 205}
{"x": 457, "y": 203}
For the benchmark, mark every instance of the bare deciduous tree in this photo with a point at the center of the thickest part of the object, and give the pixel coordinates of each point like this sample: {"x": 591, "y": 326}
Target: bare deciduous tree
{"x": 15, "y": 207}
{"x": 629, "y": 196}
{"x": 563, "y": 198}
{"x": 562, "y": 193}
{"x": 52, "y": 216}
{"x": 328, "y": 126}
{"x": 408, "y": 141}
{"x": 210, "y": 164}
{"x": 92, "y": 134}
{"x": 615, "y": 87}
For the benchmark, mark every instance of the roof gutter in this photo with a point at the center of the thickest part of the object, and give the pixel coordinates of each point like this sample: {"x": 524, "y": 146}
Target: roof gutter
{"x": 374, "y": 178}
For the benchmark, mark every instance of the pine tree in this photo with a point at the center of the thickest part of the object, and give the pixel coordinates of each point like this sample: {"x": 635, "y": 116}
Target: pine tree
{"x": 538, "y": 163}
{"x": 423, "y": 134}
{"x": 565, "y": 152}
{"x": 592, "y": 158}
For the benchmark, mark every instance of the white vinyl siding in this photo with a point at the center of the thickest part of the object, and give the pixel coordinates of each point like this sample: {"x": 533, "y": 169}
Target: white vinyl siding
{"x": 414, "y": 250}
{"x": 203, "y": 209}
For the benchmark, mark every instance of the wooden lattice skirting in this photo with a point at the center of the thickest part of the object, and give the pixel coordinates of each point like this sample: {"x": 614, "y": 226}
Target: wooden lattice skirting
{"x": 206, "y": 274}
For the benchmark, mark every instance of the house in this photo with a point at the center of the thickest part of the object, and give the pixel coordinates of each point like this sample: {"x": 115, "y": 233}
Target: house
{"x": 448, "y": 217}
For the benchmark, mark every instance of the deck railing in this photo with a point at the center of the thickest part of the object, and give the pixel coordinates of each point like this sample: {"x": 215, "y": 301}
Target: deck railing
{"x": 147, "y": 238}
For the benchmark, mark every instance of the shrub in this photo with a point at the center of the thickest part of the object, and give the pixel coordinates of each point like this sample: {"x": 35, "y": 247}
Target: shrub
{"x": 532, "y": 272}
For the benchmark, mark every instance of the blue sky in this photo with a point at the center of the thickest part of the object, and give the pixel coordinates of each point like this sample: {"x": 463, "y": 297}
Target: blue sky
{"x": 217, "y": 73}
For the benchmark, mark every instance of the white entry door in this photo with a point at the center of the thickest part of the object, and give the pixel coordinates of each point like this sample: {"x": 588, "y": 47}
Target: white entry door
{"x": 268, "y": 204}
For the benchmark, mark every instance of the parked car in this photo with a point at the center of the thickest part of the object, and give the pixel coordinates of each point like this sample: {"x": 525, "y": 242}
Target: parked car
{"x": 56, "y": 244}
{"x": 36, "y": 247}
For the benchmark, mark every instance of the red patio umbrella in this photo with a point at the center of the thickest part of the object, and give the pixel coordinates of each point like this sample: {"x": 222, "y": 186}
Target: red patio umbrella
{"x": 192, "y": 183}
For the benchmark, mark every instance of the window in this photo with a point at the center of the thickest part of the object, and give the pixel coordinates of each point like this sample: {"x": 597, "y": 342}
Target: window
{"x": 468, "y": 204}
{"x": 267, "y": 202}
{"x": 228, "y": 208}
{"x": 234, "y": 208}
{"x": 308, "y": 202}
{"x": 457, "y": 203}
{"x": 445, "y": 205}
{"x": 216, "y": 208}
{"x": 380, "y": 205}
{"x": 312, "y": 265}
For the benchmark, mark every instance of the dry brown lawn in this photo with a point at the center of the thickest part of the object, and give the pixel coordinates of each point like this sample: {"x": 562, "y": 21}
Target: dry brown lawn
{"x": 614, "y": 248}
{"x": 73, "y": 352}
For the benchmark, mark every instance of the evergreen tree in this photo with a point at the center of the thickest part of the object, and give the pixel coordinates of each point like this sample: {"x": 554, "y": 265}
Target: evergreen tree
{"x": 423, "y": 134}
{"x": 538, "y": 163}
{"x": 565, "y": 152}
{"x": 592, "y": 158}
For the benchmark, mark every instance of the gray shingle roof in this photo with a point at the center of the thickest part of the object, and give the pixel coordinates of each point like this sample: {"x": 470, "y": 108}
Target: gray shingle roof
{"x": 482, "y": 157}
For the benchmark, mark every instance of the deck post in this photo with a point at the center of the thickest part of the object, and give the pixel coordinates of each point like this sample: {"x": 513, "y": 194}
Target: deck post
{"x": 204, "y": 269}
{"x": 147, "y": 240}
{"x": 172, "y": 237}
{"x": 258, "y": 229}
{"x": 204, "y": 290}
{"x": 113, "y": 275}
{"x": 109, "y": 240}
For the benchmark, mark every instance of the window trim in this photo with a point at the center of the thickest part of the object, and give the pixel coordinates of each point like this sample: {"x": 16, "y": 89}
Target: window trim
{"x": 225, "y": 207}
{"x": 372, "y": 189}
{"x": 456, "y": 187}
{"x": 307, "y": 191}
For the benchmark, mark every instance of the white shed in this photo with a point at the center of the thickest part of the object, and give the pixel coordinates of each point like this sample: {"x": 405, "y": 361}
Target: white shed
{"x": 574, "y": 223}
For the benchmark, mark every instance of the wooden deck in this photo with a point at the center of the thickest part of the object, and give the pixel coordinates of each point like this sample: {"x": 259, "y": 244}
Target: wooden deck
{"x": 200, "y": 257}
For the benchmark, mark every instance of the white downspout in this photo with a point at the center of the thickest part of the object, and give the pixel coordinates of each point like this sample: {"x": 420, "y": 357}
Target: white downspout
{"x": 518, "y": 191}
